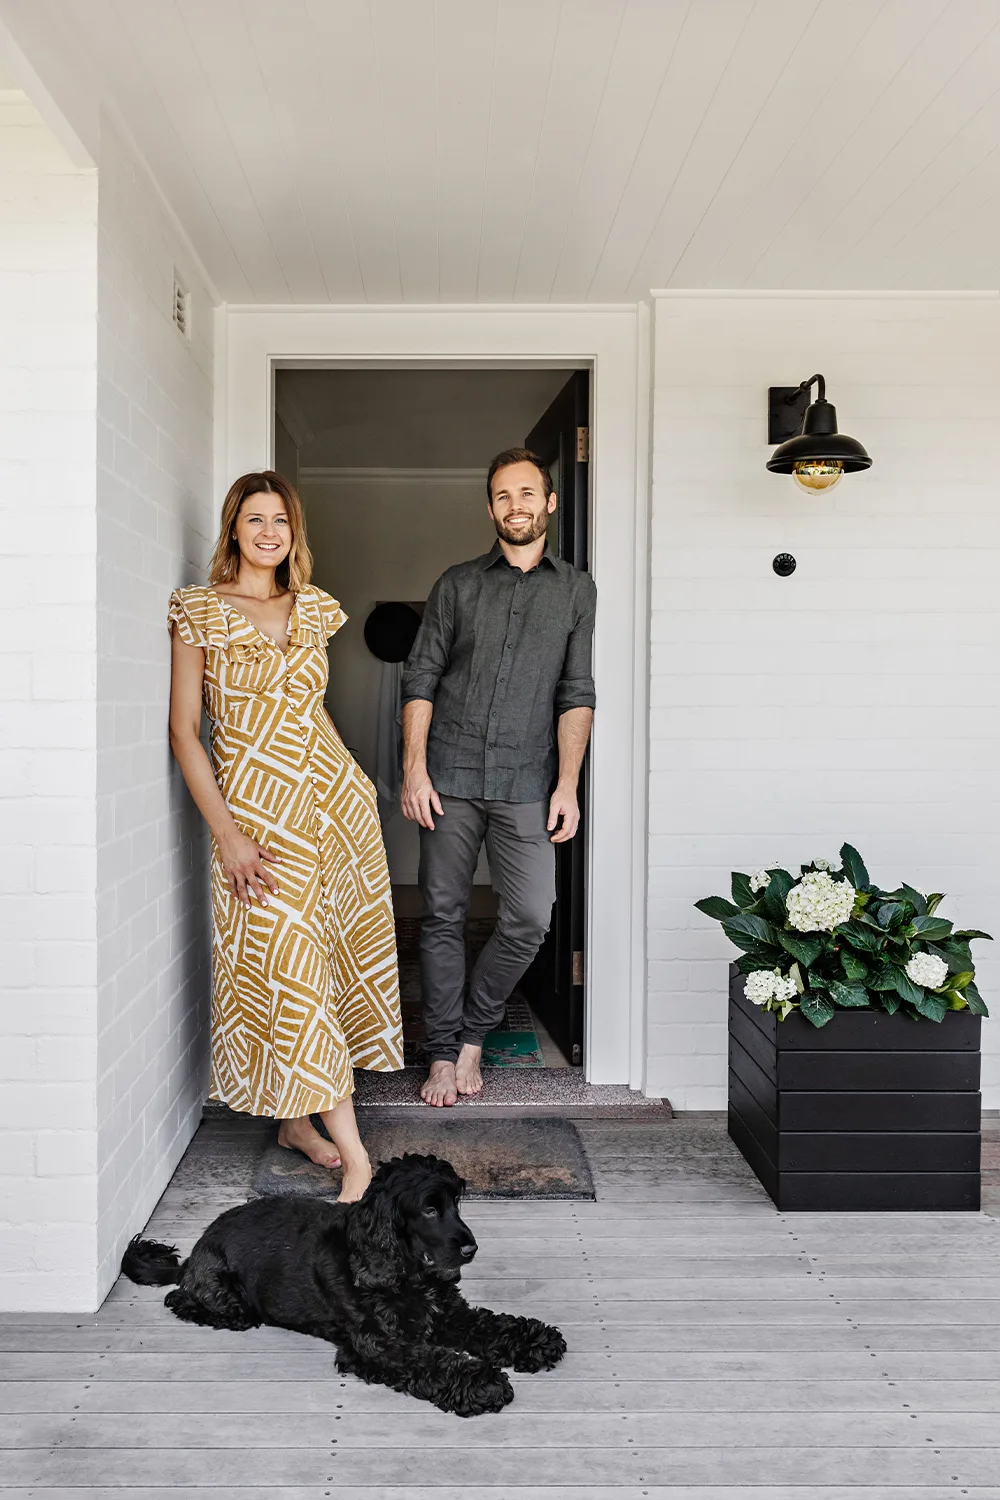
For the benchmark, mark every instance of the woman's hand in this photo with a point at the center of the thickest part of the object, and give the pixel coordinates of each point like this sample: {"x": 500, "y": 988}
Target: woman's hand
{"x": 247, "y": 874}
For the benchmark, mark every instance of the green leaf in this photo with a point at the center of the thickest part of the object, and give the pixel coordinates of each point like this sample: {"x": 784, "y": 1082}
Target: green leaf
{"x": 749, "y": 963}
{"x": 954, "y": 999}
{"x": 752, "y": 926}
{"x": 905, "y": 988}
{"x": 957, "y": 955}
{"x": 890, "y": 1003}
{"x": 854, "y": 867}
{"x": 975, "y": 1001}
{"x": 934, "y": 901}
{"x": 933, "y": 1007}
{"x": 742, "y": 894}
{"x": 852, "y": 965}
{"x": 960, "y": 981}
{"x": 968, "y": 933}
{"x": 918, "y": 902}
{"x": 774, "y": 896}
{"x": 931, "y": 929}
{"x": 753, "y": 935}
{"x": 881, "y": 980}
{"x": 806, "y": 949}
{"x": 717, "y": 907}
{"x": 817, "y": 1009}
{"x": 860, "y": 937}
{"x": 889, "y": 913}
{"x": 795, "y": 975}
{"x": 852, "y": 995}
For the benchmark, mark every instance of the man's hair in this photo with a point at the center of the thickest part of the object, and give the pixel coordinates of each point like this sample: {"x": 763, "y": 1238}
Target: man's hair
{"x": 518, "y": 456}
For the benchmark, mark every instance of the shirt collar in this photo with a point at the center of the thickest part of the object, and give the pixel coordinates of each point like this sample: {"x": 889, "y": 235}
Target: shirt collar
{"x": 496, "y": 554}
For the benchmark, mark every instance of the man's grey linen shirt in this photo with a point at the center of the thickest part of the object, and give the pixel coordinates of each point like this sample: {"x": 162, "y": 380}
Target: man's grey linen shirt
{"x": 501, "y": 654}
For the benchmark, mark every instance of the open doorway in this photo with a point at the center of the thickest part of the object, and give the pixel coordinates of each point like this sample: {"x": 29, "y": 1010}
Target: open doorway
{"x": 391, "y": 465}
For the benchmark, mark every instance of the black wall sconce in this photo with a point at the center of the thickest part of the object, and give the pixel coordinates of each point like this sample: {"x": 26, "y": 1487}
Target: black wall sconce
{"x": 811, "y": 449}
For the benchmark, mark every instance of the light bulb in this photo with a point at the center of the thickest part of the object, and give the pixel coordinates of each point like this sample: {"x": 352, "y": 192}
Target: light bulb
{"x": 817, "y": 474}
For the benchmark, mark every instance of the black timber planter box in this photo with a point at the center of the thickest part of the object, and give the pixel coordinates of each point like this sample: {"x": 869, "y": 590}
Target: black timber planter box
{"x": 870, "y": 1111}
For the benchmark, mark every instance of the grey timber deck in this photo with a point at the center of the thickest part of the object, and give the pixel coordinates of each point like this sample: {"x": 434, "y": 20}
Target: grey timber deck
{"x": 717, "y": 1349}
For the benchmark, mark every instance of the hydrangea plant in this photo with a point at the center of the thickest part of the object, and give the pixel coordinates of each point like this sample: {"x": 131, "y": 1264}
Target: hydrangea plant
{"x": 828, "y": 939}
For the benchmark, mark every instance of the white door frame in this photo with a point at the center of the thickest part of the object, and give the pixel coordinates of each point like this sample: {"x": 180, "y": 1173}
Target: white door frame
{"x": 609, "y": 340}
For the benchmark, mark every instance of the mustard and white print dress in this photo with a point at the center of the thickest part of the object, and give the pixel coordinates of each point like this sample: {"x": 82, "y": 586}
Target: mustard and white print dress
{"x": 306, "y": 988}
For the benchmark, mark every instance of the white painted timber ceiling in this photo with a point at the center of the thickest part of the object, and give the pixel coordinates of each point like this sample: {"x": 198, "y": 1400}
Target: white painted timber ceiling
{"x": 496, "y": 150}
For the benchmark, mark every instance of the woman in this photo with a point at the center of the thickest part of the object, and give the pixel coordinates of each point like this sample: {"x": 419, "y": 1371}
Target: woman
{"x": 304, "y": 972}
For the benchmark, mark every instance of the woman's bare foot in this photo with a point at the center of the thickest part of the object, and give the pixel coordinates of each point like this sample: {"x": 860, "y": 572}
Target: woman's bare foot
{"x": 440, "y": 1087}
{"x": 468, "y": 1078}
{"x": 302, "y": 1135}
{"x": 357, "y": 1176}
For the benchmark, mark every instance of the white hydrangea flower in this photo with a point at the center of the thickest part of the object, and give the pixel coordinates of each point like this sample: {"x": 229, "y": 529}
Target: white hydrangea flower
{"x": 760, "y": 880}
{"x": 822, "y": 864}
{"x": 766, "y": 987}
{"x": 760, "y": 987}
{"x": 927, "y": 969}
{"x": 784, "y": 987}
{"x": 819, "y": 903}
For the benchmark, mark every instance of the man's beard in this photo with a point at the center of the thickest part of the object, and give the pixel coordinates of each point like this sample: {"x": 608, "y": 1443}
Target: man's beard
{"x": 523, "y": 536}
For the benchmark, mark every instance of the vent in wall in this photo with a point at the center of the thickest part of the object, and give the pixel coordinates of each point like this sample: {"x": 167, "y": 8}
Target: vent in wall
{"x": 182, "y": 307}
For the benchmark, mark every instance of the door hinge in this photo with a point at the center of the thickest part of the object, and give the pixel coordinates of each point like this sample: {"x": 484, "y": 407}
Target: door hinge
{"x": 583, "y": 445}
{"x": 577, "y": 1057}
{"x": 578, "y": 966}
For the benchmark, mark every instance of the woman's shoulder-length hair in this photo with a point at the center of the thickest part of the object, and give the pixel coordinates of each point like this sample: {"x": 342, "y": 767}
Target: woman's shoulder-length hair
{"x": 296, "y": 569}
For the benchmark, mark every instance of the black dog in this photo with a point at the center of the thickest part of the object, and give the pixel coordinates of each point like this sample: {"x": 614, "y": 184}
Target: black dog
{"x": 377, "y": 1278}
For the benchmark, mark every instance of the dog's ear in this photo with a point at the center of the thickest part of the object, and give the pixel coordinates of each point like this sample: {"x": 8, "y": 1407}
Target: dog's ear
{"x": 372, "y": 1238}
{"x": 446, "y": 1175}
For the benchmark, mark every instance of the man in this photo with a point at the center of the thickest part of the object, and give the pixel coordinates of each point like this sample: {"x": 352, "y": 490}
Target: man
{"x": 498, "y": 700}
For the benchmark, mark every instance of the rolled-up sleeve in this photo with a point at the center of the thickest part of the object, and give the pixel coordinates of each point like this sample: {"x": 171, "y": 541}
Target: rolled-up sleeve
{"x": 429, "y": 656}
{"x": 575, "y": 688}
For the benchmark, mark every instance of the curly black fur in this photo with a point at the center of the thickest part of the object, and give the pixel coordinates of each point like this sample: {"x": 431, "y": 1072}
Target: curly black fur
{"x": 377, "y": 1278}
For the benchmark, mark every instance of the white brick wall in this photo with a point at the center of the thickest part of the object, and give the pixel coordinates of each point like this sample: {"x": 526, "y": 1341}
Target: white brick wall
{"x": 155, "y": 515}
{"x": 106, "y": 457}
{"x": 857, "y": 699}
{"x": 48, "y": 1121}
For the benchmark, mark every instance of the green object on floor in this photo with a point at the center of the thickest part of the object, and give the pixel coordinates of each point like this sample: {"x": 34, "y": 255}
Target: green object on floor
{"x": 512, "y": 1049}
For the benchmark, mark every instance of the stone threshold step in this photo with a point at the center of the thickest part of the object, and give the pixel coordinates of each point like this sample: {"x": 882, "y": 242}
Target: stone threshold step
{"x": 509, "y": 1091}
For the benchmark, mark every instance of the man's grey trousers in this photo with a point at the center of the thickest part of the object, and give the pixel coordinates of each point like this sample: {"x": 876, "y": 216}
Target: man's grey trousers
{"x": 522, "y": 862}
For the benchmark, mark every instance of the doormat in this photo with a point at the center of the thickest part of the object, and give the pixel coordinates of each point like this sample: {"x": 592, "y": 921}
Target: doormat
{"x": 497, "y": 1158}
{"x": 513, "y": 1045}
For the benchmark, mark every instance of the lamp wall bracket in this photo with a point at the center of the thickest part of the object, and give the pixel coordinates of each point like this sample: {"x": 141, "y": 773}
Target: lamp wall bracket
{"x": 786, "y": 410}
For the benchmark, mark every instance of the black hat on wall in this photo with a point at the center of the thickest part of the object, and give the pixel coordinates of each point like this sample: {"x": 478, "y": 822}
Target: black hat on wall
{"x": 390, "y": 631}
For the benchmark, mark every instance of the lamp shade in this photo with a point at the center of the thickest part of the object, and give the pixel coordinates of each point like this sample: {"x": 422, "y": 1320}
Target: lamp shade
{"x": 819, "y": 441}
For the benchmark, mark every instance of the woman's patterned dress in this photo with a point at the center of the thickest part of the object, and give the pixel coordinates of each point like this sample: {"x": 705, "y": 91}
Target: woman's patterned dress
{"x": 305, "y": 988}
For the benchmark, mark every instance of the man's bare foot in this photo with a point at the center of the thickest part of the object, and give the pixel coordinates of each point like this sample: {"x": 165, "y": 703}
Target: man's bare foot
{"x": 302, "y": 1135}
{"x": 468, "y": 1078}
{"x": 440, "y": 1087}
{"x": 357, "y": 1176}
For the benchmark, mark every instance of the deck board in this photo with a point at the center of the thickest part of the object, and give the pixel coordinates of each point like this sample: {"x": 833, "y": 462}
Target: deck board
{"x": 718, "y": 1350}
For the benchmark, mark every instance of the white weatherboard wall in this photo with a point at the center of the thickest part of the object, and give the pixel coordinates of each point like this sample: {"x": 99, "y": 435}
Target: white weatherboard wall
{"x": 48, "y": 1120}
{"x": 857, "y": 699}
{"x": 155, "y": 524}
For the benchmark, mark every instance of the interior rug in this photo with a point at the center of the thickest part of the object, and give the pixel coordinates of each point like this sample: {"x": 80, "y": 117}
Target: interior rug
{"x": 512, "y": 1049}
{"x": 498, "y": 1158}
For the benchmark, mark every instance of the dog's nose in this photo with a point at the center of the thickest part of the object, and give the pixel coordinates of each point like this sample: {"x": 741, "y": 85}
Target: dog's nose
{"x": 468, "y": 1251}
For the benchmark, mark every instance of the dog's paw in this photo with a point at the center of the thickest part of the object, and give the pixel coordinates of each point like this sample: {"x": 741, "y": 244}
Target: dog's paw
{"x": 490, "y": 1392}
{"x": 541, "y": 1349}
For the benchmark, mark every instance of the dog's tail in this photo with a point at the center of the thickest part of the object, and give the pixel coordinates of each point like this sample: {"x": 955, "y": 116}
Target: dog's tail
{"x": 148, "y": 1263}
